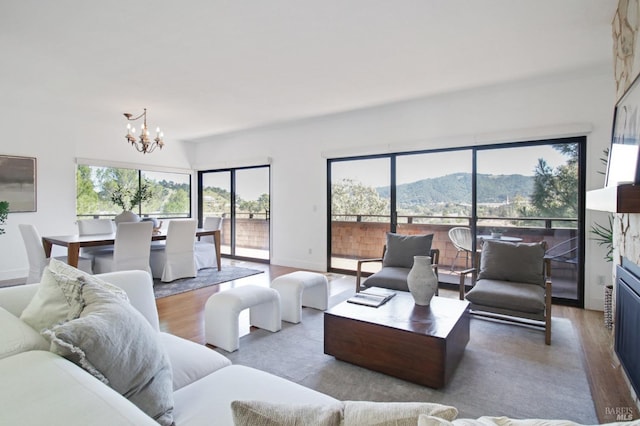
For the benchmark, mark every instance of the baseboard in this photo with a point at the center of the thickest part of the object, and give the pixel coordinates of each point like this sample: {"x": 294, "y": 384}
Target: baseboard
{"x": 299, "y": 264}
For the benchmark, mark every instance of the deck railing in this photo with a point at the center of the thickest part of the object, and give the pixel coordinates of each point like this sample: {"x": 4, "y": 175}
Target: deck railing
{"x": 363, "y": 236}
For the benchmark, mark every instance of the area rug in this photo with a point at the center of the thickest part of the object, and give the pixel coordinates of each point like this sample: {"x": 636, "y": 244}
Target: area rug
{"x": 205, "y": 278}
{"x": 506, "y": 370}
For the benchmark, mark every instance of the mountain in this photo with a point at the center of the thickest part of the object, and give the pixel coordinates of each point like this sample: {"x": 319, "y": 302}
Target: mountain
{"x": 456, "y": 188}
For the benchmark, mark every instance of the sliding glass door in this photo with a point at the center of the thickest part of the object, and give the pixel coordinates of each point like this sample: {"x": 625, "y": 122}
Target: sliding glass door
{"x": 531, "y": 194}
{"x": 523, "y": 192}
{"x": 241, "y": 197}
{"x": 360, "y": 210}
{"x": 215, "y": 200}
{"x": 252, "y": 213}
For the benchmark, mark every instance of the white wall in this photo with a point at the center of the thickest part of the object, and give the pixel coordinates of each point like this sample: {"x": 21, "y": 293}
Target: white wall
{"x": 56, "y": 134}
{"x": 576, "y": 103}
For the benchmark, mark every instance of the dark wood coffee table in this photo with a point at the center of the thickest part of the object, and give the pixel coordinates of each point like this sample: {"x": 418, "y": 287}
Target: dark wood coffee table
{"x": 420, "y": 344}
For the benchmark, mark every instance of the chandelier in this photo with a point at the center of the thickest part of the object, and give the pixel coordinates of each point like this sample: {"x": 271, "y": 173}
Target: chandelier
{"x": 143, "y": 144}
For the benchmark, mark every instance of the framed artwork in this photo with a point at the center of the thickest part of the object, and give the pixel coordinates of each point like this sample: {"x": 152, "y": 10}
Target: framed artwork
{"x": 18, "y": 183}
{"x": 624, "y": 154}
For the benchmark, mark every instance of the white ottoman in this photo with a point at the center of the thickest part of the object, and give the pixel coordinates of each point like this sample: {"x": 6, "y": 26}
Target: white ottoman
{"x": 222, "y": 310}
{"x": 298, "y": 289}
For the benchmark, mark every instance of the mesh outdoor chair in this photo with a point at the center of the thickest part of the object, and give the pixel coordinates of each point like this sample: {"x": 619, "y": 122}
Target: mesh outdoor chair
{"x": 462, "y": 241}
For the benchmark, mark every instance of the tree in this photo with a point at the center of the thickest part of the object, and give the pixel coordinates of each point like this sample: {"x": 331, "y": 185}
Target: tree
{"x": 177, "y": 202}
{"x": 555, "y": 190}
{"x": 349, "y": 198}
{"x": 87, "y": 198}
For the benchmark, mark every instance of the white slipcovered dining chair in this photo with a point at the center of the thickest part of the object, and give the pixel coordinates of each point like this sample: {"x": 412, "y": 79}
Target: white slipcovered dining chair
{"x": 37, "y": 258}
{"x": 176, "y": 259}
{"x": 95, "y": 227}
{"x": 130, "y": 251}
{"x": 205, "y": 248}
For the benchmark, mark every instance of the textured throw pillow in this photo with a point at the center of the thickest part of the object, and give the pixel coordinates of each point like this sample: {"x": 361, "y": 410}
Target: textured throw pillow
{"x": 115, "y": 343}
{"x": 252, "y": 413}
{"x": 502, "y": 421}
{"x": 425, "y": 420}
{"x": 516, "y": 262}
{"x": 67, "y": 270}
{"x": 347, "y": 413}
{"x": 58, "y": 298}
{"x": 16, "y": 336}
{"x": 402, "y": 248}
{"x": 393, "y": 413}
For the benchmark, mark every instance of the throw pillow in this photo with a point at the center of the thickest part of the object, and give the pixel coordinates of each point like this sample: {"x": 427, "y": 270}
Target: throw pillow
{"x": 57, "y": 300}
{"x": 58, "y": 297}
{"x": 16, "y": 336}
{"x": 393, "y": 413}
{"x": 67, "y": 270}
{"x": 115, "y": 343}
{"x": 347, "y": 413}
{"x": 425, "y": 420}
{"x": 401, "y": 249}
{"x": 251, "y": 413}
{"x": 517, "y": 262}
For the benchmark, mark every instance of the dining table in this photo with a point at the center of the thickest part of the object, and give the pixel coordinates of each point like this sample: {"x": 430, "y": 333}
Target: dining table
{"x": 75, "y": 241}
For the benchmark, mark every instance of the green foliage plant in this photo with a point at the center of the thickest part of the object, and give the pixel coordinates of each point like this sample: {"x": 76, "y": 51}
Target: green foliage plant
{"x": 603, "y": 235}
{"x": 128, "y": 199}
{"x": 4, "y": 212}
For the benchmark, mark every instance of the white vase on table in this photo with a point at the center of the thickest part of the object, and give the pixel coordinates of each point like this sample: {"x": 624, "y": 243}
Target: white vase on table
{"x": 127, "y": 216}
{"x": 422, "y": 280}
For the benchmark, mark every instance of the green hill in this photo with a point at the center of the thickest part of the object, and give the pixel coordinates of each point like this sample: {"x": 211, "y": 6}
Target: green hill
{"x": 456, "y": 188}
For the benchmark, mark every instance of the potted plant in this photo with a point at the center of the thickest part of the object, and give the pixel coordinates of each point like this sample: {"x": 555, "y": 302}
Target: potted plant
{"x": 603, "y": 235}
{"x": 127, "y": 199}
{"x": 4, "y": 212}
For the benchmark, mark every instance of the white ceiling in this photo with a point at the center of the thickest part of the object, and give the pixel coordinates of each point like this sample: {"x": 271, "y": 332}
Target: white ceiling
{"x": 206, "y": 67}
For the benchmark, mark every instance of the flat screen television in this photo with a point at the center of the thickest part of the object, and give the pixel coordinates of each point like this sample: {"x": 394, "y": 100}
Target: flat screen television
{"x": 624, "y": 153}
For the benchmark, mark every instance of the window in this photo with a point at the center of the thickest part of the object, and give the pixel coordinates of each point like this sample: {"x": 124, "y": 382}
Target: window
{"x": 525, "y": 192}
{"x": 170, "y": 192}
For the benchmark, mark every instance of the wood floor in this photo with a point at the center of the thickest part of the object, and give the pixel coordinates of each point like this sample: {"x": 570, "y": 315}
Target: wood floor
{"x": 182, "y": 315}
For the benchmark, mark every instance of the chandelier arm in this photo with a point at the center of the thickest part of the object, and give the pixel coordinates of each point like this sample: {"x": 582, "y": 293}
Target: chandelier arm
{"x": 129, "y": 116}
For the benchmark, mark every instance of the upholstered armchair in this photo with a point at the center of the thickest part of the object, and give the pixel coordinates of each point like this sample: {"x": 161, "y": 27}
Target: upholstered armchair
{"x": 397, "y": 260}
{"x": 512, "y": 284}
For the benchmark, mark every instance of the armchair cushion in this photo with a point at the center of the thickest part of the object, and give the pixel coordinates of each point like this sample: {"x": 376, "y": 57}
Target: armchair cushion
{"x": 401, "y": 249}
{"x": 508, "y": 295}
{"x": 515, "y": 262}
{"x": 392, "y": 278}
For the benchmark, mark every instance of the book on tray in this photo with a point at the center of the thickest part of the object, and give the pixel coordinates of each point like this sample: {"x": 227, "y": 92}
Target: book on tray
{"x": 372, "y": 296}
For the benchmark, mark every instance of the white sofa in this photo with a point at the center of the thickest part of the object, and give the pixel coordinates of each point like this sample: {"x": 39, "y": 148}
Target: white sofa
{"x": 39, "y": 387}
